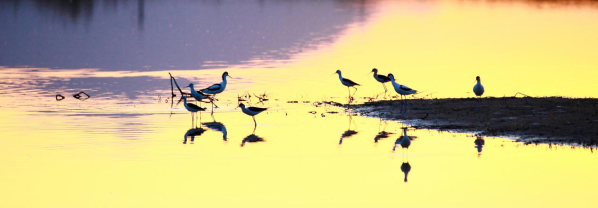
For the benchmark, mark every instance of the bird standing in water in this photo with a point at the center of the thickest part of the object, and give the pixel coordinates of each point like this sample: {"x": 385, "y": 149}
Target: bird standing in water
{"x": 252, "y": 111}
{"x": 348, "y": 83}
{"x": 192, "y": 108}
{"x": 199, "y": 96}
{"x": 401, "y": 89}
{"x": 217, "y": 88}
{"x": 381, "y": 78}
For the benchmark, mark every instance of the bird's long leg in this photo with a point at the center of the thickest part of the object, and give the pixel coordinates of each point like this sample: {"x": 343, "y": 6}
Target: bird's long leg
{"x": 254, "y": 123}
{"x": 192, "y": 119}
{"x": 349, "y": 89}
{"x": 354, "y": 91}
{"x": 385, "y": 90}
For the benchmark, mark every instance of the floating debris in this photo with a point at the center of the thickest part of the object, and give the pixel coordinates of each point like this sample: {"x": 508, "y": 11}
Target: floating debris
{"x": 292, "y": 101}
{"x": 312, "y": 112}
{"x": 59, "y": 97}
{"x": 333, "y": 103}
{"x": 81, "y": 96}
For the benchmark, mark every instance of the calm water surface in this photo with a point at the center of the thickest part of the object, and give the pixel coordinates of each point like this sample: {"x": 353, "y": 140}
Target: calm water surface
{"x": 126, "y": 146}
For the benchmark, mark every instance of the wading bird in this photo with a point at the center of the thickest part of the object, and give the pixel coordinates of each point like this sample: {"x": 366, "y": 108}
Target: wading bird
{"x": 252, "y": 111}
{"x": 348, "y": 83}
{"x": 478, "y": 89}
{"x": 404, "y": 141}
{"x": 192, "y": 108}
{"x": 401, "y": 89}
{"x": 217, "y": 88}
{"x": 199, "y": 96}
{"x": 381, "y": 78}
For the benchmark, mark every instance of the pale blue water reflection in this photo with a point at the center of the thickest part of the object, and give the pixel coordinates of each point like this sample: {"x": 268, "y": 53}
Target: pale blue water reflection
{"x": 157, "y": 35}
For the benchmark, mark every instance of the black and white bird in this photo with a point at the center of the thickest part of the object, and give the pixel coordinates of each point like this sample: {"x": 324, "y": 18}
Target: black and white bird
{"x": 217, "y": 88}
{"x": 381, "y": 78}
{"x": 348, "y": 83}
{"x": 192, "y": 108}
{"x": 404, "y": 141}
{"x": 478, "y": 89}
{"x": 401, "y": 89}
{"x": 252, "y": 111}
{"x": 199, "y": 96}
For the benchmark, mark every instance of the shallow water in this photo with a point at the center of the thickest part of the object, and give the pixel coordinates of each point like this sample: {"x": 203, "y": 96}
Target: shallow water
{"x": 126, "y": 146}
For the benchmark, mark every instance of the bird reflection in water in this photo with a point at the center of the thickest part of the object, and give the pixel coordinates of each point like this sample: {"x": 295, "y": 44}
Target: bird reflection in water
{"x": 381, "y": 134}
{"x": 217, "y": 126}
{"x": 348, "y": 133}
{"x": 252, "y": 138}
{"x": 479, "y": 144}
{"x": 193, "y": 133}
{"x": 405, "y": 168}
{"x": 404, "y": 141}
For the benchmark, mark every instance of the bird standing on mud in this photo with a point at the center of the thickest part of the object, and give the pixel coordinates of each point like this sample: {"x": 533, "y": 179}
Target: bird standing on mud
{"x": 478, "y": 89}
{"x": 347, "y": 82}
{"x": 381, "y": 78}
{"x": 401, "y": 89}
{"x": 252, "y": 111}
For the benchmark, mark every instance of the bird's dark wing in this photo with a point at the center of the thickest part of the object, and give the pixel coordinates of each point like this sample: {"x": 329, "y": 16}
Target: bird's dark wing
{"x": 383, "y": 78}
{"x": 350, "y": 81}
{"x": 256, "y": 109}
{"x": 191, "y": 105}
{"x": 403, "y": 87}
{"x": 214, "y": 87}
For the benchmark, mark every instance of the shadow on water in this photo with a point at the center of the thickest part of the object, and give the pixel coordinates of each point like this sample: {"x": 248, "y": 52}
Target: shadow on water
{"x": 348, "y": 133}
{"x": 193, "y": 133}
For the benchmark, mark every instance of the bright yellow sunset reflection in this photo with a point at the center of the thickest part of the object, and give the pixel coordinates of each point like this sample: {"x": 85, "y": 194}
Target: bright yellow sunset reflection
{"x": 116, "y": 151}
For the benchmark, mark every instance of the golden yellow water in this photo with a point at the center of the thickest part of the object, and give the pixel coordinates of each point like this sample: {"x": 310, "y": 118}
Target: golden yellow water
{"x": 116, "y": 151}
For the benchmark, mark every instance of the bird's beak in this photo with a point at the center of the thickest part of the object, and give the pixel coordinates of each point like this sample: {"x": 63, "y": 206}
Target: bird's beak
{"x": 187, "y": 86}
{"x": 370, "y": 72}
{"x": 229, "y": 76}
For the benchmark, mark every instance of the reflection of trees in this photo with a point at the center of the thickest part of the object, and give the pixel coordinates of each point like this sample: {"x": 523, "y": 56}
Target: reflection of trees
{"x": 72, "y": 10}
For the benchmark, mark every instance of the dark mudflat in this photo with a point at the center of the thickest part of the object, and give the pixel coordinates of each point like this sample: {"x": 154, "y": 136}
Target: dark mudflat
{"x": 551, "y": 119}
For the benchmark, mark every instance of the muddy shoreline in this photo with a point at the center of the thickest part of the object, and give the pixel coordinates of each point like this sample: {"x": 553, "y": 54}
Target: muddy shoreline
{"x": 534, "y": 120}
